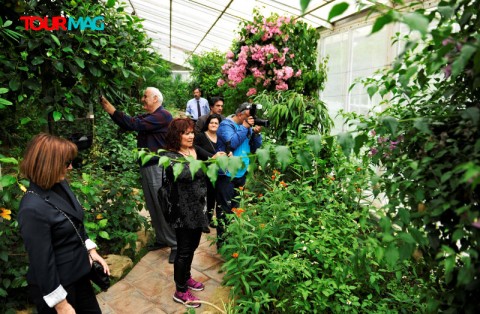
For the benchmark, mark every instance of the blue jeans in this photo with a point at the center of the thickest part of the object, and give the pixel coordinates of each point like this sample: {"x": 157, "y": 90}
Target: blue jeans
{"x": 226, "y": 200}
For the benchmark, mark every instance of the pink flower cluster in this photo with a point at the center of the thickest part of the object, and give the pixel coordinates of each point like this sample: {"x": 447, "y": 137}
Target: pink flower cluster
{"x": 265, "y": 62}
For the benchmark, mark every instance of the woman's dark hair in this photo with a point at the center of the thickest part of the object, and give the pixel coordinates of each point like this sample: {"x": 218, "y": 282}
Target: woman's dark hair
{"x": 210, "y": 117}
{"x": 46, "y": 159}
{"x": 176, "y": 128}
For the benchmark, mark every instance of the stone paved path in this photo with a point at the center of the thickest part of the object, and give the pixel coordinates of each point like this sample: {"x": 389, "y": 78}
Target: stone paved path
{"x": 149, "y": 287}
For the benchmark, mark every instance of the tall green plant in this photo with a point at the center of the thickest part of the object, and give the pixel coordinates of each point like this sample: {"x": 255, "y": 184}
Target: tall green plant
{"x": 59, "y": 74}
{"x": 293, "y": 114}
{"x": 427, "y": 144}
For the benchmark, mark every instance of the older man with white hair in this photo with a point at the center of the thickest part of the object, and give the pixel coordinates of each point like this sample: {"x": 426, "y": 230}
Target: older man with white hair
{"x": 152, "y": 129}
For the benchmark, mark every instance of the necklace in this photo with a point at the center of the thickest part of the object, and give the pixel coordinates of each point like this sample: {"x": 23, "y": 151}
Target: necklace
{"x": 208, "y": 138}
{"x": 188, "y": 153}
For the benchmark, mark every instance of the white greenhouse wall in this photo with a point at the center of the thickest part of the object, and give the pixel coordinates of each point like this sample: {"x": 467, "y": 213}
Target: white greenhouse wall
{"x": 354, "y": 53}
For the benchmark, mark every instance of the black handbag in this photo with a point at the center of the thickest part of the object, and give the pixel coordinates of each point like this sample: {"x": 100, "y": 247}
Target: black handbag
{"x": 97, "y": 272}
{"x": 99, "y": 277}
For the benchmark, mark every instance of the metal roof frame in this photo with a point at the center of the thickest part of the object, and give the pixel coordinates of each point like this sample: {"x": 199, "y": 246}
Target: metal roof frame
{"x": 181, "y": 28}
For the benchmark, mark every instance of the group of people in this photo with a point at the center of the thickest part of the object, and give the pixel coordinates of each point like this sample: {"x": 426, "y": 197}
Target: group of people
{"x": 51, "y": 218}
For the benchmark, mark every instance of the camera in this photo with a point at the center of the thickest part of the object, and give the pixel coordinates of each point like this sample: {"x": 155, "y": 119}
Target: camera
{"x": 228, "y": 147}
{"x": 253, "y": 113}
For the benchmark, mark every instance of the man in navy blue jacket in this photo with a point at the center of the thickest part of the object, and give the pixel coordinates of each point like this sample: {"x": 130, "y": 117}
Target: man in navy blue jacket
{"x": 152, "y": 129}
{"x": 236, "y": 134}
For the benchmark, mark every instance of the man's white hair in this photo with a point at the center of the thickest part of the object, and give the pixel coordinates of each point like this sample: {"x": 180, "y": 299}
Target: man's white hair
{"x": 156, "y": 92}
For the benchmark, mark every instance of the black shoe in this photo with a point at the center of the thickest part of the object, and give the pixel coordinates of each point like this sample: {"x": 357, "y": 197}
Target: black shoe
{"x": 173, "y": 255}
{"x": 206, "y": 230}
{"x": 156, "y": 246}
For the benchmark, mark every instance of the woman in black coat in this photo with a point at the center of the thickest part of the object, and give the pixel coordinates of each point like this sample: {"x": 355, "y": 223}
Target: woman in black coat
{"x": 206, "y": 147}
{"x": 187, "y": 197}
{"x": 59, "y": 262}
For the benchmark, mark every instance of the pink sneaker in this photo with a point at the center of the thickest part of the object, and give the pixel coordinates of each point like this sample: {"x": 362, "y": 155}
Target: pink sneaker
{"x": 192, "y": 284}
{"x": 184, "y": 297}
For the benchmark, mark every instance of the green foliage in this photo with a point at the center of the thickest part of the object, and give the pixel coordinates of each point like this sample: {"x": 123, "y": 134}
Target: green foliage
{"x": 174, "y": 90}
{"x": 59, "y": 74}
{"x": 294, "y": 114}
{"x": 427, "y": 146}
{"x": 303, "y": 241}
{"x": 206, "y": 72}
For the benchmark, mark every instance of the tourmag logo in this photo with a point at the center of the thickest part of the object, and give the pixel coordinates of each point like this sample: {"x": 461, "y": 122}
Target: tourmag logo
{"x": 55, "y": 23}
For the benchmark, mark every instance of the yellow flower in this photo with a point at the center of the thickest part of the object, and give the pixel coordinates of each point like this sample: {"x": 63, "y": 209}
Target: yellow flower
{"x": 22, "y": 187}
{"x": 5, "y": 213}
{"x": 99, "y": 216}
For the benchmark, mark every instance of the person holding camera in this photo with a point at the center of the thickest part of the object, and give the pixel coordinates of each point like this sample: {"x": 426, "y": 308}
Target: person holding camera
{"x": 236, "y": 134}
{"x": 51, "y": 224}
{"x": 152, "y": 130}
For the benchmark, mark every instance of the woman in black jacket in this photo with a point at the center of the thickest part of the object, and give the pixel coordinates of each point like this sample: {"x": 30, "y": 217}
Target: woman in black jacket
{"x": 206, "y": 147}
{"x": 187, "y": 197}
{"x": 51, "y": 220}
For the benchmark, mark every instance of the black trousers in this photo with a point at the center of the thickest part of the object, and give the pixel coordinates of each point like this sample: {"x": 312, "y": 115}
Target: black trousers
{"x": 211, "y": 199}
{"x": 187, "y": 242}
{"x": 226, "y": 200}
{"x": 80, "y": 295}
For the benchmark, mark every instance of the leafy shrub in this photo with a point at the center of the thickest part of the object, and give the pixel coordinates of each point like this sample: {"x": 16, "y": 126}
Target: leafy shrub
{"x": 426, "y": 143}
{"x": 306, "y": 242}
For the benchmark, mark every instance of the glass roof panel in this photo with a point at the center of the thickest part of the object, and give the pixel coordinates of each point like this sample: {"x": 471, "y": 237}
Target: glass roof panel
{"x": 180, "y": 28}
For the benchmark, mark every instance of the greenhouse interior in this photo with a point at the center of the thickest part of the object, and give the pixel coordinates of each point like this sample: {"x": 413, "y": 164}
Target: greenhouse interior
{"x": 240, "y": 156}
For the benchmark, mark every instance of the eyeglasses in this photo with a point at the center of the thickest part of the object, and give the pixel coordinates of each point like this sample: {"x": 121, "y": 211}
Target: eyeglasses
{"x": 68, "y": 163}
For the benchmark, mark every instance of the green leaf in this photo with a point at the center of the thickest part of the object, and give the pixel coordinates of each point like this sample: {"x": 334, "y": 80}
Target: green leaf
{"x": 80, "y": 62}
{"x": 371, "y": 90}
{"x": 380, "y": 22}
{"x": 5, "y": 102}
{"x": 9, "y": 160}
{"x": 55, "y": 39}
{"x": 359, "y": 141}
{"x": 3, "y": 90}
{"x": 345, "y": 139}
{"x": 104, "y": 235}
{"x": 392, "y": 255}
{"x": 234, "y": 164}
{"x": 422, "y": 125}
{"x": 103, "y": 223}
{"x": 465, "y": 54}
{"x": 57, "y": 115}
{"x": 263, "y": 156}
{"x": 7, "y": 180}
{"x": 416, "y": 21}
{"x": 37, "y": 60}
{"x": 58, "y": 65}
{"x": 471, "y": 113}
{"x": 315, "y": 142}
{"x": 304, "y": 5}
{"x": 177, "y": 169}
{"x": 195, "y": 165}
{"x": 110, "y": 3}
{"x": 337, "y": 10}
{"x": 391, "y": 124}
{"x": 14, "y": 83}
{"x": 283, "y": 156}
{"x": 212, "y": 173}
